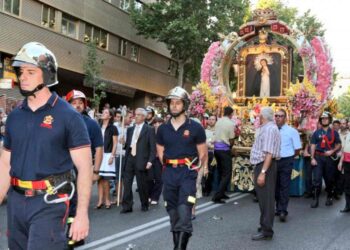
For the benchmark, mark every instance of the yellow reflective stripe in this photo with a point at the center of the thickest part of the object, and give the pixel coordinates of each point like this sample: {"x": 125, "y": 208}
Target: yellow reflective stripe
{"x": 191, "y": 199}
{"x": 49, "y": 189}
{"x": 70, "y": 220}
{"x": 188, "y": 162}
{"x": 25, "y": 184}
{"x": 173, "y": 161}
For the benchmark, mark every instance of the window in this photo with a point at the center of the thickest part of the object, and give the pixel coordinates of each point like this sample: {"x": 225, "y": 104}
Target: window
{"x": 172, "y": 67}
{"x": 138, "y": 5}
{"x": 69, "y": 26}
{"x": 97, "y": 35}
{"x": 122, "y": 47}
{"x": 124, "y": 4}
{"x": 12, "y": 6}
{"x": 48, "y": 17}
{"x": 134, "y": 52}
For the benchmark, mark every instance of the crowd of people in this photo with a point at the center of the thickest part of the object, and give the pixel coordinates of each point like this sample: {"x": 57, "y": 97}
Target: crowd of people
{"x": 51, "y": 145}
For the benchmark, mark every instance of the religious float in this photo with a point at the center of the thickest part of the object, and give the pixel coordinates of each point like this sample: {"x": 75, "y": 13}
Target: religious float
{"x": 266, "y": 63}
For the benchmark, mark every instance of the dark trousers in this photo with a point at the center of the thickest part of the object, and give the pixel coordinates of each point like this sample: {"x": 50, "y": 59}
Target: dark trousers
{"x": 325, "y": 168}
{"x": 346, "y": 166}
{"x": 179, "y": 192}
{"x": 33, "y": 224}
{"x": 224, "y": 161}
{"x": 155, "y": 185}
{"x": 266, "y": 197}
{"x": 308, "y": 174}
{"x": 338, "y": 180}
{"x": 141, "y": 179}
{"x": 284, "y": 172}
{"x": 209, "y": 179}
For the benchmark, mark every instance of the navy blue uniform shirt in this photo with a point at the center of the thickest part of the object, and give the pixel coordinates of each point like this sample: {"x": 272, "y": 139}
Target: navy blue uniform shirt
{"x": 317, "y": 139}
{"x": 95, "y": 133}
{"x": 40, "y": 141}
{"x": 183, "y": 142}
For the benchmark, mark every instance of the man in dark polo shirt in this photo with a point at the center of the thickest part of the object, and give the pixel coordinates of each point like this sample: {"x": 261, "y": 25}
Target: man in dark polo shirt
{"x": 180, "y": 141}
{"x": 45, "y": 137}
{"x": 78, "y": 100}
{"x": 325, "y": 142}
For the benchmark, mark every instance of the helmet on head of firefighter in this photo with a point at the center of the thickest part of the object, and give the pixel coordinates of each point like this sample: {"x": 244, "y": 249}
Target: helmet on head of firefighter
{"x": 325, "y": 114}
{"x": 37, "y": 54}
{"x": 179, "y": 94}
{"x": 150, "y": 109}
{"x": 76, "y": 94}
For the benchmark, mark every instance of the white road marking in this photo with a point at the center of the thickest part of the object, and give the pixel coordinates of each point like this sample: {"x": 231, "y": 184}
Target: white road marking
{"x": 163, "y": 222}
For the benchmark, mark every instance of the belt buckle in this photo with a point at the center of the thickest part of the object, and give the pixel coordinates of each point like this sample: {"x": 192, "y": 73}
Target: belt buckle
{"x": 29, "y": 193}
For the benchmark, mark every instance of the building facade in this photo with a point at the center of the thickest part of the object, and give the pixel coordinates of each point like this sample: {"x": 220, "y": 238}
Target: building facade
{"x": 136, "y": 70}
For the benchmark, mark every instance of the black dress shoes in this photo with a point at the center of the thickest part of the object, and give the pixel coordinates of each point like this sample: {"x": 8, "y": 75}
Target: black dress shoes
{"x": 345, "y": 210}
{"x": 261, "y": 236}
{"x": 125, "y": 211}
{"x": 144, "y": 208}
{"x": 219, "y": 201}
{"x": 283, "y": 217}
{"x": 225, "y": 197}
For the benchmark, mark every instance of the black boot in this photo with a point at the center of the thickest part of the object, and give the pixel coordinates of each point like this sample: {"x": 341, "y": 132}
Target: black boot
{"x": 315, "y": 197}
{"x": 347, "y": 204}
{"x": 176, "y": 240}
{"x": 329, "y": 201}
{"x": 183, "y": 240}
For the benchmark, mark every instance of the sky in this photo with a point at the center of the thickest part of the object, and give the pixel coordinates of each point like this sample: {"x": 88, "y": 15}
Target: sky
{"x": 334, "y": 14}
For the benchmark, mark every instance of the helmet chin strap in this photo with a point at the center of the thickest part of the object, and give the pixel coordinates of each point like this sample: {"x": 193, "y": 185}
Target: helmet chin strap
{"x": 176, "y": 115}
{"x": 27, "y": 93}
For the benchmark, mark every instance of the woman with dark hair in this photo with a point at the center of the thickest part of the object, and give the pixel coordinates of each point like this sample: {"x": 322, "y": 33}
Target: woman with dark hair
{"x": 107, "y": 169}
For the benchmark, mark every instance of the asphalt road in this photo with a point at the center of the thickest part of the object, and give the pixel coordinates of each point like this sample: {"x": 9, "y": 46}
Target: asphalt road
{"x": 227, "y": 226}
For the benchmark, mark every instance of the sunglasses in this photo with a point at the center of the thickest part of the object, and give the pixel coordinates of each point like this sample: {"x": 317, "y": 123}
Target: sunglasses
{"x": 279, "y": 116}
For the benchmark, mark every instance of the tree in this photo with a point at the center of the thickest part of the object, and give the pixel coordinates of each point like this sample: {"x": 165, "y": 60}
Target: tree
{"x": 343, "y": 102}
{"x": 92, "y": 70}
{"x": 310, "y": 25}
{"x": 189, "y": 27}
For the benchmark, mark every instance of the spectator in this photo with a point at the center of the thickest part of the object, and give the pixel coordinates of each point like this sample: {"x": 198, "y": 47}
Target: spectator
{"x": 140, "y": 153}
{"x": 107, "y": 169}
{"x": 224, "y": 135}
{"x": 266, "y": 149}
{"x": 210, "y": 134}
{"x": 290, "y": 147}
{"x": 156, "y": 184}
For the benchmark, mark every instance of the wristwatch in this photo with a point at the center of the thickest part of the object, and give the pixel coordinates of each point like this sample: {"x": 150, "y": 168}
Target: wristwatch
{"x": 263, "y": 171}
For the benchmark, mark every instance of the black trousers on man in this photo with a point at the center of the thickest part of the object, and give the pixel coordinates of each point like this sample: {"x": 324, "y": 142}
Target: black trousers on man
{"x": 209, "y": 179}
{"x": 141, "y": 179}
{"x": 155, "y": 184}
{"x": 224, "y": 164}
{"x": 325, "y": 168}
{"x": 284, "y": 172}
{"x": 266, "y": 197}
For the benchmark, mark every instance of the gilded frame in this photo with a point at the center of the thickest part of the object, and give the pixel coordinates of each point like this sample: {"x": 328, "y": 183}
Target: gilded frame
{"x": 256, "y": 50}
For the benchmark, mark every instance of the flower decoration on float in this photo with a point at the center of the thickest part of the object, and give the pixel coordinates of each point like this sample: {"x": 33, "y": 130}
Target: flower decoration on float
{"x": 211, "y": 64}
{"x": 202, "y": 100}
{"x": 324, "y": 68}
{"x": 304, "y": 98}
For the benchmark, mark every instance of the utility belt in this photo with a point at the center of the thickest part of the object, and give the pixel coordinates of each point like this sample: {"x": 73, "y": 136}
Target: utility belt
{"x": 334, "y": 157}
{"x": 184, "y": 162}
{"x": 60, "y": 185}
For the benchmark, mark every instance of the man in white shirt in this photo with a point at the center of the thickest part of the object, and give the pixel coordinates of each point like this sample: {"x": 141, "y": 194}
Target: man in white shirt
{"x": 290, "y": 147}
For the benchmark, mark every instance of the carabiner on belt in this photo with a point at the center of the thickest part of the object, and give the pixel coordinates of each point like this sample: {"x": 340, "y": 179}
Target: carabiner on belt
{"x": 54, "y": 191}
{"x": 189, "y": 165}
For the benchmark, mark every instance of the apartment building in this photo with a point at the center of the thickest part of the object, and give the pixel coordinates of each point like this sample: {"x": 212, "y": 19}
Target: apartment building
{"x": 137, "y": 70}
